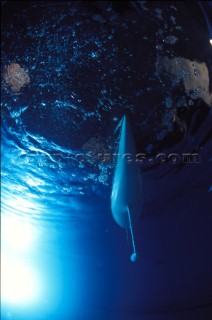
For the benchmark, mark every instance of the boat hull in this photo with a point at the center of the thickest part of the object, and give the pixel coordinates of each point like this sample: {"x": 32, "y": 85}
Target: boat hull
{"x": 127, "y": 191}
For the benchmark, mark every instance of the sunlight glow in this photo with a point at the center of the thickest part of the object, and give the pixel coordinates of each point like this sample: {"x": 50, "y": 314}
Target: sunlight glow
{"x": 22, "y": 204}
{"x": 17, "y": 234}
{"x": 19, "y": 284}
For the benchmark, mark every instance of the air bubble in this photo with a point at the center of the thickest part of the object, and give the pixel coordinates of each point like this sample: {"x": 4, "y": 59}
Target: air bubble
{"x": 196, "y": 73}
{"x": 170, "y": 39}
{"x": 198, "y": 89}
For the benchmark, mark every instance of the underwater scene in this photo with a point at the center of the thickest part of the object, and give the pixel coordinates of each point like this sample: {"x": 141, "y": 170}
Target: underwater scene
{"x": 106, "y": 160}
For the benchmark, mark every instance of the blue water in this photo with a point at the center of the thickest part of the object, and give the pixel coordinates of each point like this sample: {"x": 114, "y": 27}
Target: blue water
{"x": 63, "y": 256}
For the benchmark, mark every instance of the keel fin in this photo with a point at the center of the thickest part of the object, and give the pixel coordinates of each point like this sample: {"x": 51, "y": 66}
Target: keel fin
{"x": 134, "y": 254}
